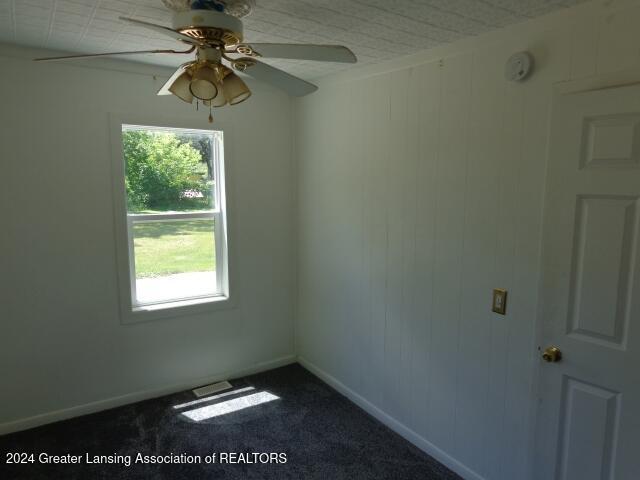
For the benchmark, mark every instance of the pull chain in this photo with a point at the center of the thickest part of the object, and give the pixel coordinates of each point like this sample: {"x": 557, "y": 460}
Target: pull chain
{"x": 210, "y": 115}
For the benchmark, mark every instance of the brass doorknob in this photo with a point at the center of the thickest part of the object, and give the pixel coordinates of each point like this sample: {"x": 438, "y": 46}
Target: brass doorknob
{"x": 552, "y": 354}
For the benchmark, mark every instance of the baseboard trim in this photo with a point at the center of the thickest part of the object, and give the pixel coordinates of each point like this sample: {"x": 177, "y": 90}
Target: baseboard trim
{"x": 398, "y": 427}
{"x": 106, "y": 404}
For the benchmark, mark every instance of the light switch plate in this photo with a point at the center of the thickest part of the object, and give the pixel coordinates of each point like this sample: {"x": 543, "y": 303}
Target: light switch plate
{"x": 499, "y": 304}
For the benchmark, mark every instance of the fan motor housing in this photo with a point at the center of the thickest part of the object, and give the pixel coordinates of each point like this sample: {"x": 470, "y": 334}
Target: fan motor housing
{"x": 209, "y": 27}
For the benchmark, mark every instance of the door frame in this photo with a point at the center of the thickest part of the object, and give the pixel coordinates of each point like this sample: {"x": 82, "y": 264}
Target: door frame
{"x": 605, "y": 81}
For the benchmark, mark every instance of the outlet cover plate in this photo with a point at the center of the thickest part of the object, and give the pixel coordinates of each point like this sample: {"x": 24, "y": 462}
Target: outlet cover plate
{"x": 499, "y": 304}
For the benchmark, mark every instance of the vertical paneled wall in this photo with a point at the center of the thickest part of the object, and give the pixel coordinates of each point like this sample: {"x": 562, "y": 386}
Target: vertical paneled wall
{"x": 420, "y": 190}
{"x": 63, "y": 350}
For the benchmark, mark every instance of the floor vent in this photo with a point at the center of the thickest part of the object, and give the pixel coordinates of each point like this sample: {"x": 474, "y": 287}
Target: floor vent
{"x": 211, "y": 389}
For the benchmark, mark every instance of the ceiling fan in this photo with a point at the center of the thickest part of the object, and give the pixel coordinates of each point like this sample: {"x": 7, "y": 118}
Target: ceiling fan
{"x": 213, "y": 31}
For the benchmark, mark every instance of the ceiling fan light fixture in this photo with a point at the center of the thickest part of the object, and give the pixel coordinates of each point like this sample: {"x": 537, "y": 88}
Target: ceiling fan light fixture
{"x": 234, "y": 89}
{"x": 181, "y": 88}
{"x": 203, "y": 84}
{"x": 213, "y": 30}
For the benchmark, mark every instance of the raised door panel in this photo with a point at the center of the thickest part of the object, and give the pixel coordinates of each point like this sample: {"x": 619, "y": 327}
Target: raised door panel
{"x": 589, "y": 431}
{"x": 604, "y": 252}
{"x": 611, "y": 141}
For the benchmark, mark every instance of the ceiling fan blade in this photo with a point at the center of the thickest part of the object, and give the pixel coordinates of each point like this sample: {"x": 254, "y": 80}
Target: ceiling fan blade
{"x": 285, "y": 81}
{"x": 319, "y": 53}
{"x": 164, "y": 90}
{"x": 160, "y": 29}
{"x": 109, "y": 54}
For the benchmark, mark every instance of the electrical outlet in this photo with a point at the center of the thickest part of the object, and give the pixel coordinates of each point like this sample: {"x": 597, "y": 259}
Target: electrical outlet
{"x": 499, "y": 301}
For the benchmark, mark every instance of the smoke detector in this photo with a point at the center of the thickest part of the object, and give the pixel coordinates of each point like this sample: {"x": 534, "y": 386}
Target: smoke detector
{"x": 518, "y": 67}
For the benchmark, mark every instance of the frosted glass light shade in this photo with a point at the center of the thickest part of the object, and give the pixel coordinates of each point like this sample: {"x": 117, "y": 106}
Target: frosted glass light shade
{"x": 218, "y": 101}
{"x": 180, "y": 88}
{"x": 203, "y": 84}
{"x": 234, "y": 89}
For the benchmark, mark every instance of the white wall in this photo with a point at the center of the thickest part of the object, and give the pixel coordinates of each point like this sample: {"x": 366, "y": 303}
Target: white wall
{"x": 421, "y": 187}
{"x": 61, "y": 341}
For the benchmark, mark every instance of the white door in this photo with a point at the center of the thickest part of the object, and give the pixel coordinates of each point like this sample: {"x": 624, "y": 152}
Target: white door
{"x": 589, "y": 413}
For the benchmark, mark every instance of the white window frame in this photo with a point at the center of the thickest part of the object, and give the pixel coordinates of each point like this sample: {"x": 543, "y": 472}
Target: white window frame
{"x": 130, "y": 310}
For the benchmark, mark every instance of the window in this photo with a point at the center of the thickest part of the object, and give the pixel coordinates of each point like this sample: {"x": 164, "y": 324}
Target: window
{"x": 174, "y": 217}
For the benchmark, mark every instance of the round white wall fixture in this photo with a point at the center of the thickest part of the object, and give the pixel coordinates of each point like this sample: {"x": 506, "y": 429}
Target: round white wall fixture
{"x": 518, "y": 67}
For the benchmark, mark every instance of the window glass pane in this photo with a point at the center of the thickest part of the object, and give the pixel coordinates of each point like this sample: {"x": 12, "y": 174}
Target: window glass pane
{"x": 174, "y": 259}
{"x": 170, "y": 182}
{"x": 168, "y": 170}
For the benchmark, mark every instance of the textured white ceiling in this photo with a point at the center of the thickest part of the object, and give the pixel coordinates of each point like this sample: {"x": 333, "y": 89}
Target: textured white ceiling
{"x": 375, "y": 30}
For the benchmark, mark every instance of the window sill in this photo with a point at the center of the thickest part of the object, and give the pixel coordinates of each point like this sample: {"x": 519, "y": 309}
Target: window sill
{"x": 179, "y": 308}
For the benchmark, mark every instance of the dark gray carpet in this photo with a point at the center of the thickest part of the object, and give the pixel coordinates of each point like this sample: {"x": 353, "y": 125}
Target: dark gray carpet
{"x": 323, "y": 435}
